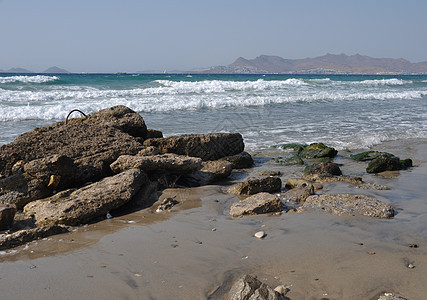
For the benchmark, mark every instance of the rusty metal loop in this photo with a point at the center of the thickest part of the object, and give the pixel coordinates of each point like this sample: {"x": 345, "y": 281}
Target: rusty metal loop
{"x": 66, "y": 120}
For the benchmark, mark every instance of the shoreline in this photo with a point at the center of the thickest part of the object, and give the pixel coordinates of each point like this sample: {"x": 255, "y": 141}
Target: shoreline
{"x": 178, "y": 253}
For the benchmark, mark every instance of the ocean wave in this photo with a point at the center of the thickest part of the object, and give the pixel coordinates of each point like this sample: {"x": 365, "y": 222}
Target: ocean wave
{"x": 28, "y": 79}
{"x": 377, "y": 82}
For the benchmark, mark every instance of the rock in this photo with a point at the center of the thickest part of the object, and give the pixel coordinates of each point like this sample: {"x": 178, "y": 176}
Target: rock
{"x": 249, "y": 287}
{"x": 168, "y": 162}
{"x": 260, "y": 203}
{"x": 317, "y": 150}
{"x": 7, "y": 214}
{"x": 260, "y": 235}
{"x": 350, "y": 204}
{"x": 300, "y": 193}
{"x": 291, "y": 160}
{"x": 210, "y": 172}
{"x": 242, "y": 160}
{"x": 254, "y": 185}
{"x": 390, "y": 296}
{"x": 78, "y": 206}
{"x": 152, "y": 133}
{"x": 349, "y": 179}
{"x": 36, "y": 179}
{"x": 282, "y": 289}
{"x": 149, "y": 151}
{"x": 93, "y": 142}
{"x": 320, "y": 170}
{"x": 406, "y": 163}
{"x": 411, "y": 266}
{"x": 166, "y": 204}
{"x": 211, "y": 146}
{"x": 367, "y": 155}
{"x": 296, "y": 182}
{"x": 24, "y": 236}
{"x": 384, "y": 162}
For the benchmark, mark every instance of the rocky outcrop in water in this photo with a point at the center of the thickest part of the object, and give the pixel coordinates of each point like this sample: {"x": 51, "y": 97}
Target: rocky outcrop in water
{"x": 7, "y": 213}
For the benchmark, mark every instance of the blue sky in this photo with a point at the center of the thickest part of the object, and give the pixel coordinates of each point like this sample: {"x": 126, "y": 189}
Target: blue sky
{"x": 131, "y": 35}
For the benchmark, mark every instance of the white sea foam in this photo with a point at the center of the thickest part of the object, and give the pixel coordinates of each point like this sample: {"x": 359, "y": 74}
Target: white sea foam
{"x": 28, "y": 79}
{"x": 391, "y": 81}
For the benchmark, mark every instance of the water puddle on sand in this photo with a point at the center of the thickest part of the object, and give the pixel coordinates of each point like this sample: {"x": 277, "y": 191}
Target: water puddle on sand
{"x": 197, "y": 249}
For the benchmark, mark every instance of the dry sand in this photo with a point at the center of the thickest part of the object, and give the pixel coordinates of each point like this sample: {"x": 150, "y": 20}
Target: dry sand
{"x": 196, "y": 250}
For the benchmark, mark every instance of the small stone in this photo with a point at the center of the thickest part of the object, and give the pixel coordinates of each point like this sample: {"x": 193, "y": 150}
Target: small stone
{"x": 413, "y": 246}
{"x": 411, "y": 266}
{"x": 371, "y": 253}
{"x": 282, "y": 289}
{"x": 260, "y": 234}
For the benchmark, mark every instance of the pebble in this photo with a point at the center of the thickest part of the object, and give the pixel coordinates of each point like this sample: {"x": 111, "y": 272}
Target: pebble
{"x": 260, "y": 234}
{"x": 411, "y": 266}
{"x": 282, "y": 289}
{"x": 413, "y": 246}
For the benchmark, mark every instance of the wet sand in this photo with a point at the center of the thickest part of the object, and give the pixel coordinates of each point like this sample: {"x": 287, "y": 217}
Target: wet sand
{"x": 196, "y": 250}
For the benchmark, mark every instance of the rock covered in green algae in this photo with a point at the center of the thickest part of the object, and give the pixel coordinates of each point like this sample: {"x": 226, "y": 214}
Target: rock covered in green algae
{"x": 387, "y": 162}
{"x": 317, "y": 150}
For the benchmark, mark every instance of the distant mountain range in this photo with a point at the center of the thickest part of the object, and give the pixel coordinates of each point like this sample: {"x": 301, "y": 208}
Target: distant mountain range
{"x": 327, "y": 64}
{"x": 51, "y": 70}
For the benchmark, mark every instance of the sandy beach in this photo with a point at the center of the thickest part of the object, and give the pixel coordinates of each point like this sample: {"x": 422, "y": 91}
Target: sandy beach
{"x": 197, "y": 250}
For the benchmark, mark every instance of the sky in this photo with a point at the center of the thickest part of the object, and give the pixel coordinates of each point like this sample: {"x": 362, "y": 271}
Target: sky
{"x": 140, "y": 35}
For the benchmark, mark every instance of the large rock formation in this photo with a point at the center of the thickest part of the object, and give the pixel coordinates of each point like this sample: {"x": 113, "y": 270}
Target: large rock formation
{"x": 93, "y": 142}
{"x": 206, "y": 146}
{"x": 78, "y": 206}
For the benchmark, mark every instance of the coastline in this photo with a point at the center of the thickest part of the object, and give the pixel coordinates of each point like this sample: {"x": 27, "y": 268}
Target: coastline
{"x": 317, "y": 254}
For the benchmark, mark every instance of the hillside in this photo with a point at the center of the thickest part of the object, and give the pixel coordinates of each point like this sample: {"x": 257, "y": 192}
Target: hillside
{"x": 327, "y": 64}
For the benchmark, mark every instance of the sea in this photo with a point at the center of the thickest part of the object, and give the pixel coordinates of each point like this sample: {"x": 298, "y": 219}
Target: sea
{"x": 343, "y": 111}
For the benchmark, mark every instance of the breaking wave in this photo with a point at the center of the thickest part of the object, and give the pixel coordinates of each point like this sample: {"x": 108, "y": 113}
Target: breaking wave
{"x": 28, "y": 79}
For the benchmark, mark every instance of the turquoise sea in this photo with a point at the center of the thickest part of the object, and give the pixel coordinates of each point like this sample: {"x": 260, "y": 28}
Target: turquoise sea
{"x": 344, "y": 111}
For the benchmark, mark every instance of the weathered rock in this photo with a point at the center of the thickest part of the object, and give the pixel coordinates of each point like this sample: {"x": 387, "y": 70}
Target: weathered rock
{"x": 390, "y": 296}
{"x": 350, "y": 204}
{"x": 270, "y": 173}
{"x": 367, "y": 155}
{"x": 166, "y": 204}
{"x": 36, "y": 179}
{"x": 342, "y": 178}
{"x": 7, "y": 213}
{"x": 320, "y": 170}
{"x": 24, "y": 236}
{"x": 260, "y": 203}
{"x": 242, "y": 160}
{"x": 210, "y": 172}
{"x": 254, "y": 185}
{"x": 300, "y": 193}
{"x": 296, "y": 182}
{"x": 250, "y": 288}
{"x": 317, "y": 150}
{"x": 77, "y": 206}
{"x": 93, "y": 142}
{"x": 152, "y": 133}
{"x": 168, "y": 162}
{"x": 387, "y": 162}
{"x": 121, "y": 117}
{"x": 206, "y": 146}
{"x": 149, "y": 151}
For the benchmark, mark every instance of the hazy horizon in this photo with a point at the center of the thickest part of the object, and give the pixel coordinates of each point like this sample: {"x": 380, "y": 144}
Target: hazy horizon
{"x": 133, "y": 36}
